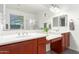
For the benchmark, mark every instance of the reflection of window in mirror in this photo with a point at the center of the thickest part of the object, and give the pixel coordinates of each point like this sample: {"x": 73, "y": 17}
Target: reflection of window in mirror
{"x": 49, "y": 26}
{"x": 45, "y": 25}
{"x": 6, "y": 26}
{"x": 16, "y": 22}
{"x": 63, "y": 20}
{"x": 55, "y": 21}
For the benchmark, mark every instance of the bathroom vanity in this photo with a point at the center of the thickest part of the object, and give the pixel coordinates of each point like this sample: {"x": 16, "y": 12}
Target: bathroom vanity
{"x": 30, "y": 45}
{"x": 25, "y": 47}
{"x": 33, "y": 46}
{"x": 60, "y": 44}
{"x": 34, "y": 43}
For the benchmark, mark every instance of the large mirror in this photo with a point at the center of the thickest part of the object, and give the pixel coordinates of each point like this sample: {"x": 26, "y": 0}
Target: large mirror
{"x": 19, "y": 16}
{"x": 1, "y": 17}
{"x": 26, "y": 16}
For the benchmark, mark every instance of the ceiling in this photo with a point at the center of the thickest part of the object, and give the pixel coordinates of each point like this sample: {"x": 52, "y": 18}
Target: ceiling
{"x": 38, "y": 8}
{"x": 73, "y": 8}
{"x": 30, "y": 8}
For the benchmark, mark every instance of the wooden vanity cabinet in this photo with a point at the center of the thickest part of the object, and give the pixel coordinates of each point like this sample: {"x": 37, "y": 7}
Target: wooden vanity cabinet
{"x": 42, "y": 49}
{"x": 56, "y": 45}
{"x": 5, "y": 50}
{"x": 8, "y": 49}
{"x": 59, "y": 45}
{"x": 34, "y": 46}
{"x": 25, "y": 47}
{"x": 28, "y": 47}
{"x": 41, "y": 45}
{"x": 66, "y": 40}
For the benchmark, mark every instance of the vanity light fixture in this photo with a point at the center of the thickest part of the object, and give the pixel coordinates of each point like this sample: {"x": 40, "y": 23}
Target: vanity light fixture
{"x": 54, "y": 8}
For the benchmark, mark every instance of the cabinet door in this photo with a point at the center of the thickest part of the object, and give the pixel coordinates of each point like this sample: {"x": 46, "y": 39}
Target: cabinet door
{"x": 15, "y": 48}
{"x": 25, "y": 47}
{"x": 28, "y": 47}
{"x": 41, "y": 45}
{"x": 56, "y": 45}
{"x": 66, "y": 40}
{"x": 41, "y": 48}
{"x": 4, "y": 49}
{"x": 10, "y": 49}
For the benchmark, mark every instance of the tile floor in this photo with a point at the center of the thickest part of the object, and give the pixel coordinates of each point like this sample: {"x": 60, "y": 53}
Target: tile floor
{"x": 68, "y": 51}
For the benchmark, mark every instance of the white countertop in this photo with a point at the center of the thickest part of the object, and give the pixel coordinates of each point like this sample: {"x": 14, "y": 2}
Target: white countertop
{"x": 51, "y": 37}
{"x": 18, "y": 38}
{"x": 14, "y": 38}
